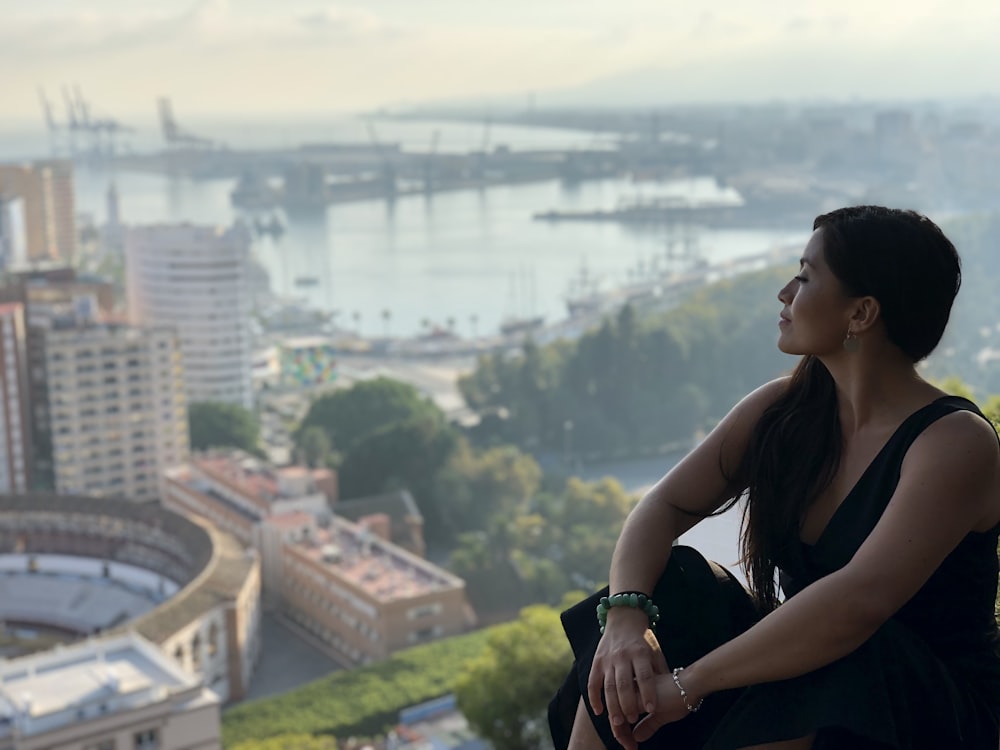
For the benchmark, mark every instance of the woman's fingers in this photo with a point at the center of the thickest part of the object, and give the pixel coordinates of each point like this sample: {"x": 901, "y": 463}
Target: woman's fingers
{"x": 595, "y": 685}
{"x": 612, "y": 696}
{"x": 645, "y": 682}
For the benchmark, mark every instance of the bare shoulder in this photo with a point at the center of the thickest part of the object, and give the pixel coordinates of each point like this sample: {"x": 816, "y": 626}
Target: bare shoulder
{"x": 721, "y": 453}
{"x": 749, "y": 410}
{"x": 961, "y": 432}
{"x": 960, "y": 441}
{"x": 959, "y": 456}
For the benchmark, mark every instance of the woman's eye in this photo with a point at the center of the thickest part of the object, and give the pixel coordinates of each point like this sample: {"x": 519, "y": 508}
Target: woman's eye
{"x": 801, "y": 279}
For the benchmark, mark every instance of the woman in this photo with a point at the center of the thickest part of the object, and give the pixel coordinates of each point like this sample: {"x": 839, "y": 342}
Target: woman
{"x": 873, "y": 494}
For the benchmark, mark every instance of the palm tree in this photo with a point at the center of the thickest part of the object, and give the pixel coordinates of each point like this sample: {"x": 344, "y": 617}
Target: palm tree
{"x": 386, "y": 317}
{"x": 356, "y": 315}
{"x": 474, "y": 323}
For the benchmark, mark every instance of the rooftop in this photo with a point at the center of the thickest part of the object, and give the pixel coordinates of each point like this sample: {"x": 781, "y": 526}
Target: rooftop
{"x": 386, "y": 571}
{"x": 47, "y": 691}
{"x": 254, "y": 479}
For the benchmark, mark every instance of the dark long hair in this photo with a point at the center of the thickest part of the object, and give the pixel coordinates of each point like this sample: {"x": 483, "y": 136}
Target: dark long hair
{"x": 904, "y": 261}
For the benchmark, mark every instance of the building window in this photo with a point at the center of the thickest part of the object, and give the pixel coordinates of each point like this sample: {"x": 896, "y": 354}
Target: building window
{"x": 108, "y": 744}
{"x": 196, "y": 651}
{"x": 147, "y": 740}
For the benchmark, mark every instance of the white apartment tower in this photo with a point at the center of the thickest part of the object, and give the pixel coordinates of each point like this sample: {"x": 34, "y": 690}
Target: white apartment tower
{"x": 194, "y": 279}
{"x": 117, "y": 409}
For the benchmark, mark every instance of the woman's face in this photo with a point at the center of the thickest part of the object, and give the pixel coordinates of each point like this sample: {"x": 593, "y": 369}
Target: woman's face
{"x": 816, "y": 314}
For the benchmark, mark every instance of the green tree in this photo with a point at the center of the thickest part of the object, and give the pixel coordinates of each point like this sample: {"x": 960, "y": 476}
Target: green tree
{"x": 638, "y": 382}
{"x": 405, "y": 454}
{"x": 219, "y": 425}
{"x": 314, "y": 446}
{"x": 349, "y": 416}
{"x": 956, "y": 387}
{"x": 505, "y": 691}
{"x": 289, "y": 742}
{"x": 475, "y": 485}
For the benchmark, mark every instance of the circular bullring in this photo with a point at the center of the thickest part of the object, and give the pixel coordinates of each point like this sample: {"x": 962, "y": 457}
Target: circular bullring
{"x": 75, "y": 566}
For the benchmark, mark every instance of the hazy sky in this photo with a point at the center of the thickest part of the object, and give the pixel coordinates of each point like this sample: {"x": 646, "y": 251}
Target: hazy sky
{"x": 284, "y": 56}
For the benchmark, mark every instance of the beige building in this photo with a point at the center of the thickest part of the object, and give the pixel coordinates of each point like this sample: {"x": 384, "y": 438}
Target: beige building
{"x": 346, "y": 583}
{"x": 45, "y": 190}
{"x": 15, "y": 420}
{"x": 51, "y": 298}
{"x": 117, "y": 410}
{"x": 237, "y": 492}
{"x": 359, "y": 593}
{"x": 112, "y": 693}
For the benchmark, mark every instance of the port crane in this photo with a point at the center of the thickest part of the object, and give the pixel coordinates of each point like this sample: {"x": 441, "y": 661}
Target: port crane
{"x": 428, "y": 171}
{"x": 101, "y": 133}
{"x": 388, "y": 169}
{"x": 174, "y": 135}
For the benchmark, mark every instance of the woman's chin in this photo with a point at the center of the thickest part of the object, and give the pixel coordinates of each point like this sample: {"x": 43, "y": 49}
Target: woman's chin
{"x": 787, "y": 347}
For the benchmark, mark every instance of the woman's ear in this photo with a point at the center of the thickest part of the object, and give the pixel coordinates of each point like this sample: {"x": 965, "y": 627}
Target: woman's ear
{"x": 867, "y": 312}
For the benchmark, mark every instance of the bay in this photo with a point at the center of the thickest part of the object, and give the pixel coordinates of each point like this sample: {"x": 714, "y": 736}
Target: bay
{"x": 472, "y": 257}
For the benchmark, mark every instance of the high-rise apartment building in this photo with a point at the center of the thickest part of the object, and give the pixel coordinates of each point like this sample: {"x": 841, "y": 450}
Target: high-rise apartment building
{"x": 15, "y": 424}
{"x": 117, "y": 410}
{"x": 47, "y": 205}
{"x": 193, "y": 279}
{"x": 52, "y": 298}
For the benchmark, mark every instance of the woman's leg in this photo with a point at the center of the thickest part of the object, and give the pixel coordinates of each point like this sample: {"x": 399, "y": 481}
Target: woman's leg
{"x": 584, "y": 736}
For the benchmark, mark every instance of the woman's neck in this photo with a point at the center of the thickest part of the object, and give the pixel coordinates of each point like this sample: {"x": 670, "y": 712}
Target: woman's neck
{"x": 877, "y": 390}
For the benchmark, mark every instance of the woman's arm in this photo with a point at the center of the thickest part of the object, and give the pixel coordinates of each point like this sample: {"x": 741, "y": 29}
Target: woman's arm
{"x": 694, "y": 488}
{"x": 949, "y": 486}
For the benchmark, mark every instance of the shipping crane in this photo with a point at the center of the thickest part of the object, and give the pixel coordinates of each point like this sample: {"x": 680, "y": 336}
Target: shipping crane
{"x": 428, "y": 171}
{"x": 174, "y": 135}
{"x": 387, "y": 173}
{"x": 101, "y": 133}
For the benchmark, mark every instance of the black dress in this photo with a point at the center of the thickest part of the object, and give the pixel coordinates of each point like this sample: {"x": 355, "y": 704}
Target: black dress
{"x": 928, "y": 678}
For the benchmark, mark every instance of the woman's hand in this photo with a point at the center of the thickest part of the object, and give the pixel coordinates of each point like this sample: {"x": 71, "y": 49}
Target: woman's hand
{"x": 628, "y": 666}
{"x": 670, "y": 708}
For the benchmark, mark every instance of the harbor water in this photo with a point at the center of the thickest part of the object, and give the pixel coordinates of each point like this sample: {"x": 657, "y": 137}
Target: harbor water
{"x": 467, "y": 260}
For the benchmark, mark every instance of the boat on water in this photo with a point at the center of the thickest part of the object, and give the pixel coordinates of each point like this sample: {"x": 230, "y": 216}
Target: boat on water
{"x": 306, "y": 280}
{"x": 273, "y": 226}
{"x": 583, "y": 293}
{"x": 513, "y": 326}
{"x": 254, "y": 192}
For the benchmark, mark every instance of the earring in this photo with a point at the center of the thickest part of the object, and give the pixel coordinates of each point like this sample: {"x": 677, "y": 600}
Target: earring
{"x": 852, "y": 343}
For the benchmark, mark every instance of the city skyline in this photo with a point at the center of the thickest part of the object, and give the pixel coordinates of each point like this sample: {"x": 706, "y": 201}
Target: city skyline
{"x": 305, "y": 56}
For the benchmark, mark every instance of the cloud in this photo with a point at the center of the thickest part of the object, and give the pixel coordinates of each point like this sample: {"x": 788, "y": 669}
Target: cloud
{"x": 49, "y": 37}
{"x": 342, "y": 20}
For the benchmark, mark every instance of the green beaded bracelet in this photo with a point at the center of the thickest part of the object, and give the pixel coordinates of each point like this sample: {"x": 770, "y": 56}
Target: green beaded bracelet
{"x": 633, "y": 599}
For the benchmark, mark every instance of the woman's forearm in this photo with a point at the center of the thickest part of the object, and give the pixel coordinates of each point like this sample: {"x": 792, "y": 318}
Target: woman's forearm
{"x": 821, "y": 624}
{"x": 643, "y": 547}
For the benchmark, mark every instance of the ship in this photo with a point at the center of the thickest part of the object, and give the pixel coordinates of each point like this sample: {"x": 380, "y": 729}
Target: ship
{"x": 273, "y": 226}
{"x": 306, "y": 281}
{"x": 254, "y": 192}
{"x": 514, "y": 326}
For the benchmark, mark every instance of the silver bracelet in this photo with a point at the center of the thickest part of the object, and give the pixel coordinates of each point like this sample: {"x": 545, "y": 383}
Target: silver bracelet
{"x": 684, "y": 696}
